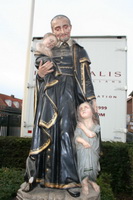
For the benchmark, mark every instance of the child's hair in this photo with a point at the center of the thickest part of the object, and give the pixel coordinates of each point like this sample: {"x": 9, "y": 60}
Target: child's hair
{"x": 94, "y": 114}
{"x": 49, "y": 34}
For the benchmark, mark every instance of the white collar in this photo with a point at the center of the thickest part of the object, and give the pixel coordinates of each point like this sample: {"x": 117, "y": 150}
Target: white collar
{"x": 69, "y": 42}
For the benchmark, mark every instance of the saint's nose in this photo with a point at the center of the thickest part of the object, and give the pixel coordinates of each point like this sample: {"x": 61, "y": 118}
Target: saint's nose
{"x": 62, "y": 30}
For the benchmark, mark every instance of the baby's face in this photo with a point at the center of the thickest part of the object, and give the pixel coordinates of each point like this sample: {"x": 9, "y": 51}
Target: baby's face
{"x": 50, "y": 42}
{"x": 85, "y": 110}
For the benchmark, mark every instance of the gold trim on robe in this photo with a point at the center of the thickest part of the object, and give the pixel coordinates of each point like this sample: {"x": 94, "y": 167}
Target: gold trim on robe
{"x": 83, "y": 77}
{"x": 84, "y": 59}
{"x": 50, "y": 123}
{"x": 44, "y": 146}
{"x": 50, "y": 84}
{"x": 58, "y": 186}
{"x": 90, "y": 98}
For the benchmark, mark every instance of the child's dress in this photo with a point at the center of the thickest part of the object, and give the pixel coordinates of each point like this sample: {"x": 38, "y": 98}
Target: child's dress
{"x": 88, "y": 158}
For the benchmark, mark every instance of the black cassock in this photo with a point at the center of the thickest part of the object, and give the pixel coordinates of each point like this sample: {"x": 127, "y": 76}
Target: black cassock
{"x": 53, "y": 148}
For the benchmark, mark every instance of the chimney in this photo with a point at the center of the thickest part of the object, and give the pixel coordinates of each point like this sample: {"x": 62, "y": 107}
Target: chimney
{"x": 12, "y": 96}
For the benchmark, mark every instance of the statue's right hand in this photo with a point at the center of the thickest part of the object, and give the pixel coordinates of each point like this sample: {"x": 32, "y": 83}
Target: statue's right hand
{"x": 86, "y": 145}
{"x": 45, "y": 68}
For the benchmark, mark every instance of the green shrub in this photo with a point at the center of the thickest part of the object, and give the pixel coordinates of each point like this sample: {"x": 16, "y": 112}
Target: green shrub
{"x": 130, "y": 153}
{"x": 116, "y": 160}
{"x": 10, "y": 181}
{"x": 14, "y": 151}
{"x": 104, "y": 181}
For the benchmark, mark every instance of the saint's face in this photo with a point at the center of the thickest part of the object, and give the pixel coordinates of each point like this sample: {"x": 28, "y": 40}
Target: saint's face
{"x": 85, "y": 111}
{"x": 61, "y": 28}
{"x": 50, "y": 42}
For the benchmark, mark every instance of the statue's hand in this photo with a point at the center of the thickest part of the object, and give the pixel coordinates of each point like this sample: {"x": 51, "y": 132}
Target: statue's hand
{"x": 45, "y": 68}
{"x": 86, "y": 145}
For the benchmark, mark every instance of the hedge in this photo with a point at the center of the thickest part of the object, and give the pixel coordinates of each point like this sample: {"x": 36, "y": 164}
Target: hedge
{"x": 117, "y": 160}
{"x": 10, "y": 181}
{"x": 14, "y": 151}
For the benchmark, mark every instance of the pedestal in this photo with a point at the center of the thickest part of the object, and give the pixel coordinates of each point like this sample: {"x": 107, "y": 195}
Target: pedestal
{"x": 39, "y": 193}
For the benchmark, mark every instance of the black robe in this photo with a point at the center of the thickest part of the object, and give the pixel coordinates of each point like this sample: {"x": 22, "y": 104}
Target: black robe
{"x": 53, "y": 147}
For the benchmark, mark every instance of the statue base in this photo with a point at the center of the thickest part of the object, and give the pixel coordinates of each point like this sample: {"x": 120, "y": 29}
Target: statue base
{"x": 39, "y": 193}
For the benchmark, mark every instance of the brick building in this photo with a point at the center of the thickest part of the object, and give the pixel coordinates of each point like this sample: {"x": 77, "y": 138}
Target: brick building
{"x": 130, "y": 112}
{"x": 10, "y": 115}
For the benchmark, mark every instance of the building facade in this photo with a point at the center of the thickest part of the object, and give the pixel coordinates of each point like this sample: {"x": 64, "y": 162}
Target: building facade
{"x": 10, "y": 115}
{"x": 130, "y": 113}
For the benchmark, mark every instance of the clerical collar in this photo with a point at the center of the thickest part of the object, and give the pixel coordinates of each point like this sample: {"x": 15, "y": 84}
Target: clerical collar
{"x": 69, "y": 42}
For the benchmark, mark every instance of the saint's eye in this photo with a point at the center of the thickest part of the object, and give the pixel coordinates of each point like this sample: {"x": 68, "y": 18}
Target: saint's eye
{"x": 66, "y": 26}
{"x": 57, "y": 28}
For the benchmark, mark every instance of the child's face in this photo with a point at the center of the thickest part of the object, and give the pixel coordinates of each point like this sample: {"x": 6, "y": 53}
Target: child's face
{"x": 85, "y": 111}
{"x": 50, "y": 41}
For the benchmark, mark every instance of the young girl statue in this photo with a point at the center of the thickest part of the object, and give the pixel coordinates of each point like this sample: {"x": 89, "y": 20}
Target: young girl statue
{"x": 87, "y": 138}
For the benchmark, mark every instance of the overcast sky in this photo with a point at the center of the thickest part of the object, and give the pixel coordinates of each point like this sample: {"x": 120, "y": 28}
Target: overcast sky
{"x": 88, "y": 17}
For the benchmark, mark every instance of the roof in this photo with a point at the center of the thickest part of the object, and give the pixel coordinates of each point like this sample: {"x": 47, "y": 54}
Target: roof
{"x": 131, "y": 94}
{"x": 129, "y": 99}
{"x": 14, "y": 102}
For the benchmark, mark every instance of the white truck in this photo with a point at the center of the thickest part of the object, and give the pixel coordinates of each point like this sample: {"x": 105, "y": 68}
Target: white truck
{"x": 108, "y": 55}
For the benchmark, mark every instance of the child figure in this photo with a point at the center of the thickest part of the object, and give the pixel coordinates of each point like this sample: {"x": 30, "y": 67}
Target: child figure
{"x": 43, "y": 54}
{"x": 87, "y": 139}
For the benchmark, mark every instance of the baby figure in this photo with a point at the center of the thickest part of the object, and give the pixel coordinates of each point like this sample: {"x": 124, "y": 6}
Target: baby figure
{"x": 43, "y": 53}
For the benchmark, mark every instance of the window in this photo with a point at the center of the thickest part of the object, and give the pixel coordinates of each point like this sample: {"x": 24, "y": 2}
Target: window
{"x": 8, "y": 102}
{"x": 16, "y": 104}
